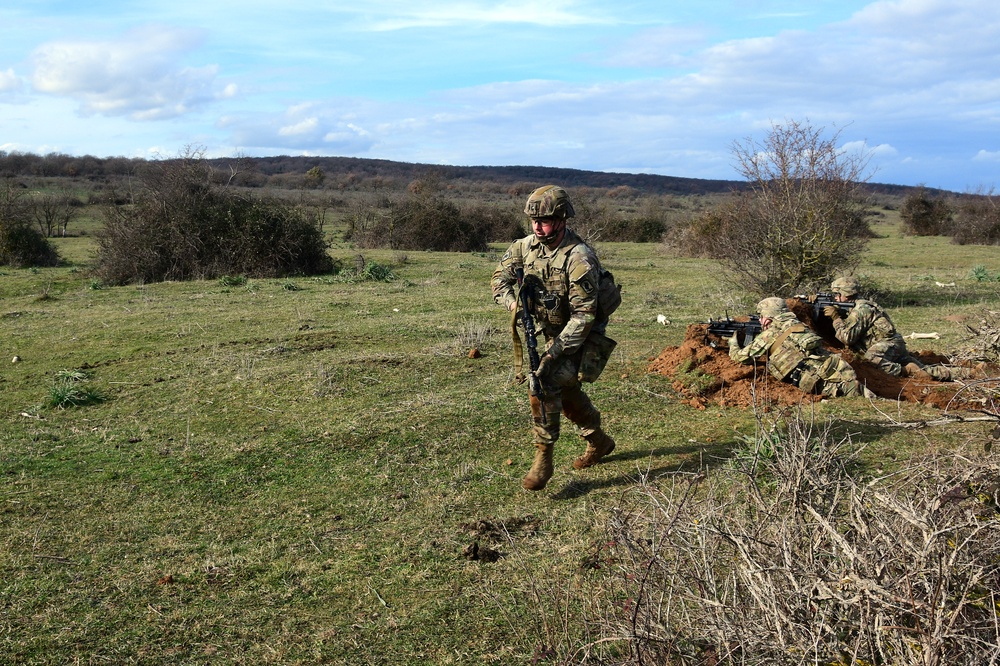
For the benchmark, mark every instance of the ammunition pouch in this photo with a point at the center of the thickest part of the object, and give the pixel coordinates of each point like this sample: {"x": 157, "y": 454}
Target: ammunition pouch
{"x": 809, "y": 380}
{"x": 595, "y": 353}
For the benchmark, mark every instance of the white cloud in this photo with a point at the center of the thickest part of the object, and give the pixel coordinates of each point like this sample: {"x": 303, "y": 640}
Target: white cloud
{"x": 862, "y": 148}
{"x": 555, "y": 13}
{"x": 306, "y": 126}
{"x": 9, "y": 81}
{"x": 663, "y": 46}
{"x": 139, "y": 76}
{"x": 987, "y": 156}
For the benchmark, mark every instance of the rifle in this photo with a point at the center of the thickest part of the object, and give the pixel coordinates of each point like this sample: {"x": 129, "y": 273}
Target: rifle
{"x": 823, "y": 299}
{"x": 525, "y": 291}
{"x": 724, "y": 328}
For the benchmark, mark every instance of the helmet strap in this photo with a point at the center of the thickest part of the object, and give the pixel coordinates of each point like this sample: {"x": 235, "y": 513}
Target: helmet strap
{"x": 558, "y": 227}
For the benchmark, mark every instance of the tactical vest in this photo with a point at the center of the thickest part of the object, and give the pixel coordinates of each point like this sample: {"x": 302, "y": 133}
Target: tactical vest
{"x": 551, "y": 306}
{"x": 882, "y": 327}
{"x": 792, "y": 346}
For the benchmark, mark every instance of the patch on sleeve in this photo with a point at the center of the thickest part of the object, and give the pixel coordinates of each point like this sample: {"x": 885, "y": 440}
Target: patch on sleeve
{"x": 506, "y": 255}
{"x": 588, "y": 283}
{"x": 579, "y": 270}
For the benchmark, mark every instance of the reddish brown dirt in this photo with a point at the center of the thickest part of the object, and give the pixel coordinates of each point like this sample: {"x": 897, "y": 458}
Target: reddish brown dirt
{"x": 730, "y": 384}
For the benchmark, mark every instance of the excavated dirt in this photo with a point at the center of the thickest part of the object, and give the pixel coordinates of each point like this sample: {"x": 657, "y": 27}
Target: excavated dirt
{"x": 705, "y": 375}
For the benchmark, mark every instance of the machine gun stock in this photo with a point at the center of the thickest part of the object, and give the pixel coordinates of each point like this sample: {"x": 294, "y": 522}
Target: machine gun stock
{"x": 821, "y": 300}
{"x": 724, "y": 328}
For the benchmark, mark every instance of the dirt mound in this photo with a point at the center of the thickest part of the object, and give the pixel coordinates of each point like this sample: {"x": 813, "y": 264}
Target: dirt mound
{"x": 705, "y": 375}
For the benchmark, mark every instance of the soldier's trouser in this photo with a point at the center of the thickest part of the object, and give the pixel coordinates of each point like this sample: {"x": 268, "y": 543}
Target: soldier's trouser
{"x": 892, "y": 356}
{"x": 563, "y": 396}
{"x": 831, "y": 377}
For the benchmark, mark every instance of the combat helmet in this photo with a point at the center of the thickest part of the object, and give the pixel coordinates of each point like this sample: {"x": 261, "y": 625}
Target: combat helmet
{"x": 846, "y": 286}
{"x": 549, "y": 201}
{"x": 771, "y": 307}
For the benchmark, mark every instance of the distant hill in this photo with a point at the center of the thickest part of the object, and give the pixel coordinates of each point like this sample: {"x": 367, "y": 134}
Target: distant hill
{"x": 501, "y": 175}
{"x": 515, "y": 175}
{"x": 15, "y": 164}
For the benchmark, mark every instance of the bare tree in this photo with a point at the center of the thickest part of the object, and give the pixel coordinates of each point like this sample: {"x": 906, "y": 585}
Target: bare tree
{"x": 52, "y": 213}
{"x": 20, "y": 244}
{"x": 801, "y": 219}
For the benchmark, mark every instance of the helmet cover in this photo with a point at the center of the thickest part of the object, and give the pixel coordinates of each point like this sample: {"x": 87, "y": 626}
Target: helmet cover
{"x": 771, "y": 307}
{"x": 549, "y": 201}
{"x": 846, "y": 286}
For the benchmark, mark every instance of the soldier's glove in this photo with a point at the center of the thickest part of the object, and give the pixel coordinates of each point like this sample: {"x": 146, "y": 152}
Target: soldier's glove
{"x": 545, "y": 365}
{"x": 733, "y": 341}
{"x": 832, "y": 311}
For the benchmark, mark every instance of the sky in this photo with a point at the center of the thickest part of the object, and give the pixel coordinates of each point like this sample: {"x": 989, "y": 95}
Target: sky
{"x": 662, "y": 87}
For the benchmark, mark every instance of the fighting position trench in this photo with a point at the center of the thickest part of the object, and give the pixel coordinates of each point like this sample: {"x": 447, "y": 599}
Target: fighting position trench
{"x": 704, "y": 374}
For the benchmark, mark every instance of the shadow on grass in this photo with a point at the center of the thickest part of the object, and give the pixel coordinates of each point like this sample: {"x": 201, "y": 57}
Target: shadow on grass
{"x": 695, "y": 458}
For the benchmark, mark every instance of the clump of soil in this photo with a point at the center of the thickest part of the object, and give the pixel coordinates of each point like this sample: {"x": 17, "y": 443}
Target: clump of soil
{"x": 704, "y": 374}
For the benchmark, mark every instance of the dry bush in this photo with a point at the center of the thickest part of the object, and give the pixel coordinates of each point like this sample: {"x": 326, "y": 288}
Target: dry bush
{"x": 977, "y": 221}
{"x": 801, "y": 220}
{"x": 699, "y": 235}
{"x": 423, "y": 222}
{"x": 789, "y": 558}
{"x": 597, "y": 220}
{"x": 53, "y": 213}
{"x": 983, "y": 342}
{"x": 21, "y": 244}
{"x": 181, "y": 226}
{"x": 923, "y": 215}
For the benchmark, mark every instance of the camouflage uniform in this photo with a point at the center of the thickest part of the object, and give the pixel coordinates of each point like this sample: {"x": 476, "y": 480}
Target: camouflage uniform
{"x": 566, "y": 314}
{"x": 869, "y": 331}
{"x": 571, "y": 297}
{"x": 799, "y": 358}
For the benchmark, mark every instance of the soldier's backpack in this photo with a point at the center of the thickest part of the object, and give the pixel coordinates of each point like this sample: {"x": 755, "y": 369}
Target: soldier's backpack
{"x": 609, "y": 295}
{"x": 597, "y": 348}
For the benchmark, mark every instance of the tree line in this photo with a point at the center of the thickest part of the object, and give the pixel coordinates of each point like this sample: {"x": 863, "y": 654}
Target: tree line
{"x": 800, "y": 215}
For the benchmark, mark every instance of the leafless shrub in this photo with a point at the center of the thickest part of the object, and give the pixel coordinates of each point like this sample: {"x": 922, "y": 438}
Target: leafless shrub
{"x": 788, "y": 557}
{"x": 801, "y": 220}
{"x": 181, "y": 226}
{"x": 53, "y": 213}
{"x": 427, "y": 222}
{"x": 923, "y": 215}
{"x": 21, "y": 245}
{"x": 977, "y": 221}
{"x": 598, "y": 220}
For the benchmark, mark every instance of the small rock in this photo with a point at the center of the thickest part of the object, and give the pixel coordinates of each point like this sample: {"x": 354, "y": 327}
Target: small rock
{"x": 16, "y": 359}
{"x": 475, "y": 353}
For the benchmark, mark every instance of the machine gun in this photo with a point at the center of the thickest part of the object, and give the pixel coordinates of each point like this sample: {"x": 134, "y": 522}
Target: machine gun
{"x": 821, "y": 300}
{"x": 724, "y": 328}
{"x": 525, "y": 292}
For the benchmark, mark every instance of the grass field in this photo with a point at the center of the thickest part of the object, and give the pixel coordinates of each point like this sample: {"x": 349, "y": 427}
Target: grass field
{"x": 293, "y": 471}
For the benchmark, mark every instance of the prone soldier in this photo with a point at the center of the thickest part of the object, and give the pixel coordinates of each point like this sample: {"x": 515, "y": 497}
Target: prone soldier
{"x": 795, "y": 354}
{"x": 868, "y": 331}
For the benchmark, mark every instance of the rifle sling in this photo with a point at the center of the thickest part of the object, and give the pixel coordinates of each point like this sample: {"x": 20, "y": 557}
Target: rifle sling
{"x": 776, "y": 345}
{"x": 518, "y": 348}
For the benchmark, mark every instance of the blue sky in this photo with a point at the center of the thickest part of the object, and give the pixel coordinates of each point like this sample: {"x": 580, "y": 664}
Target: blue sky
{"x": 640, "y": 86}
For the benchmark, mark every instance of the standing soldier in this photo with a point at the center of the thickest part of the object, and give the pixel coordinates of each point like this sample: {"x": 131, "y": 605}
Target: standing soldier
{"x": 570, "y": 297}
{"x": 795, "y": 354}
{"x": 868, "y": 331}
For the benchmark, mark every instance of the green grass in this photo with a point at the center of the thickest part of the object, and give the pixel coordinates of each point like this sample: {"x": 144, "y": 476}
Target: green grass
{"x": 289, "y": 473}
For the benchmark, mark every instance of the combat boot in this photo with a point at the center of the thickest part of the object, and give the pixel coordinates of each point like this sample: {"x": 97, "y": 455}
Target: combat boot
{"x": 599, "y": 444}
{"x": 942, "y": 373}
{"x": 541, "y": 469}
{"x": 914, "y": 370}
